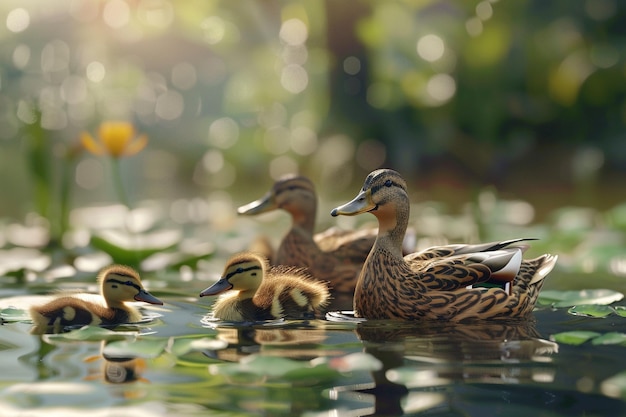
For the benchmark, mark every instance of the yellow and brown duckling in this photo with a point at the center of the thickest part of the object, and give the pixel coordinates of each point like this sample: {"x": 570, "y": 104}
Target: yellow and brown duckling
{"x": 260, "y": 292}
{"x": 118, "y": 284}
{"x": 440, "y": 282}
{"x": 334, "y": 255}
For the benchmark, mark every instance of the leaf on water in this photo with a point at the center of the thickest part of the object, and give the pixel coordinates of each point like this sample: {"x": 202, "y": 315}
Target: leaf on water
{"x": 575, "y": 337}
{"x": 143, "y": 348}
{"x": 620, "y": 310}
{"x": 611, "y": 338}
{"x": 571, "y": 298}
{"x": 87, "y": 333}
{"x": 590, "y": 310}
{"x": 11, "y": 314}
{"x": 181, "y": 345}
{"x": 259, "y": 365}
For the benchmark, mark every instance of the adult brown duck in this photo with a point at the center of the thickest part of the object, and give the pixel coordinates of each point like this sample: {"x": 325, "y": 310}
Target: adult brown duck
{"x": 335, "y": 255}
{"x": 453, "y": 282}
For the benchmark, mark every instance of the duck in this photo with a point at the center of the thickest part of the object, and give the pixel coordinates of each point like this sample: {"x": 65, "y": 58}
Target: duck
{"x": 118, "y": 285}
{"x": 334, "y": 255}
{"x": 456, "y": 283}
{"x": 260, "y": 292}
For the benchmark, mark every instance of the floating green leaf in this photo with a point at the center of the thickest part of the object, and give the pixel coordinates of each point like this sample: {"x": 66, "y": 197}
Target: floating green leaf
{"x": 143, "y": 348}
{"x": 575, "y": 337}
{"x": 620, "y": 310}
{"x": 591, "y": 310}
{"x": 11, "y": 314}
{"x": 571, "y": 298}
{"x": 182, "y": 345}
{"x": 611, "y": 338}
{"x": 88, "y": 333}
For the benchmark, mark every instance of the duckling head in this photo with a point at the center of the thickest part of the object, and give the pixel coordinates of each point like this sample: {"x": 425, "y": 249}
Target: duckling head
{"x": 121, "y": 283}
{"x": 243, "y": 272}
{"x": 292, "y": 193}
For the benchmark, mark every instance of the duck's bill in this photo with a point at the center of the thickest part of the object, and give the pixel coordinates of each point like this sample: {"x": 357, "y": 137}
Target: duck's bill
{"x": 146, "y": 297}
{"x": 262, "y": 205}
{"x": 360, "y": 204}
{"x": 217, "y": 288}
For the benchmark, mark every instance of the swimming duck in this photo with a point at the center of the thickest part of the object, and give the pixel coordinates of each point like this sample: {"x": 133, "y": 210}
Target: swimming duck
{"x": 334, "y": 255}
{"x": 264, "y": 293}
{"x": 118, "y": 284}
{"x": 441, "y": 282}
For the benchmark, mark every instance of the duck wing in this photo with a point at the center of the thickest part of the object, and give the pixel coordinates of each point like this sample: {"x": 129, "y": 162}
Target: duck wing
{"x": 459, "y": 249}
{"x": 463, "y": 271}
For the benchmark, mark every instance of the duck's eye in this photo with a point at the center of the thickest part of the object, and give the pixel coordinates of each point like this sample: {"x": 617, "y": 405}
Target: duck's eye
{"x": 128, "y": 283}
{"x": 239, "y": 270}
{"x": 388, "y": 183}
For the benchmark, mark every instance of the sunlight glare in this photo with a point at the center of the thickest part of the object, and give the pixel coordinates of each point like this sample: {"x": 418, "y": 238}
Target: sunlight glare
{"x": 116, "y": 14}
{"x": 293, "y": 32}
{"x": 281, "y": 166}
{"x": 430, "y": 47}
{"x": 440, "y": 88}
{"x": 21, "y": 56}
{"x": 95, "y": 71}
{"x": 169, "y": 105}
{"x": 223, "y": 133}
{"x": 214, "y": 29}
{"x": 484, "y": 10}
{"x": 18, "y": 20}
{"x": 294, "y": 78}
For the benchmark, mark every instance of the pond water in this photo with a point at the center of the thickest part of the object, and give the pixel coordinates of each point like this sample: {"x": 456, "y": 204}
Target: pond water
{"x": 179, "y": 363}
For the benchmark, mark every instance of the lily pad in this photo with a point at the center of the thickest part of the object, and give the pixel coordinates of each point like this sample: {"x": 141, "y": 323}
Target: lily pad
{"x": 571, "y": 298}
{"x": 183, "y": 345}
{"x": 575, "y": 337}
{"x": 259, "y": 365}
{"x": 620, "y": 310}
{"x": 88, "y": 333}
{"x": 611, "y": 338}
{"x": 14, "y": 314}
{"x": 143, "y": 348}
{"x": 590, "y": 310}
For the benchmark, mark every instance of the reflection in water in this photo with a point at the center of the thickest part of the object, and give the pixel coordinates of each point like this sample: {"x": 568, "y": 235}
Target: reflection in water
{"x": 420, "y": 361}
{"x": 116, "y": 369}
{"x": 295, "y": 342}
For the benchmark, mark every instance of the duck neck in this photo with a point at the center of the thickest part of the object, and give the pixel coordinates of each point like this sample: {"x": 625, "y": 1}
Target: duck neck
{"x": 392, "y": 226}
{"x": 304, "y": 218}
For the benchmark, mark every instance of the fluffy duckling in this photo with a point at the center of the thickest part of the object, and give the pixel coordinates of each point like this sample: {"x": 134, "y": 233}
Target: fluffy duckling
{"x": 334, "y": 255}
{"x": 264, "y": 293}
{"x": 440, "y": 282}
{"x": 118, "y": 284}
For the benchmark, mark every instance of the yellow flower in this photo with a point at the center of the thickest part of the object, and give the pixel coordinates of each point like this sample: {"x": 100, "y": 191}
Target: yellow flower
{"x": 114, "y": 138}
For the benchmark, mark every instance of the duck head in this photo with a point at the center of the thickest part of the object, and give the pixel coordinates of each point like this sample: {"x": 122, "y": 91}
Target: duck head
{"x": 121, "y": 283}
{"x": 243, "y": 272}
{"x": 293, "y": 193}
{"x": 384, "y": 194}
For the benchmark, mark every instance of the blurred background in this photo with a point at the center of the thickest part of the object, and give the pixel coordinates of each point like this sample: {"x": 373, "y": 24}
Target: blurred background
{"x": 527, "y": 98}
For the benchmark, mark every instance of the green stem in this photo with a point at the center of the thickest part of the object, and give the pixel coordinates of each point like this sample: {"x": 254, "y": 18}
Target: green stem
{"x": 118, "y": 183}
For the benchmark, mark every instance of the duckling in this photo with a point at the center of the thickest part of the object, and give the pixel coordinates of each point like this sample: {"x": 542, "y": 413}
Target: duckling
{"x": 334, "y": 255}
{"x": 264, "y": 293}
{"x": 118, "y": 284}
{"x": 441, "y": 282}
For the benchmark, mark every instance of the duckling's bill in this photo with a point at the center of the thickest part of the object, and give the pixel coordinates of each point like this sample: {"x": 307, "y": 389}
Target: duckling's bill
{"x": 262, "y": 205}
{"x": 360, "y": 204}
{"x": 219, "y": 287}
{"x": 146, "y": 297}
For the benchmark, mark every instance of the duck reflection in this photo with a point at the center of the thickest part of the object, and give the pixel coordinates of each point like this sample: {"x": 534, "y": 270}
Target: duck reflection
{"x": 117, "y": 369}
{"x": 418, "y": 357}
{"x": 299, "y": 342}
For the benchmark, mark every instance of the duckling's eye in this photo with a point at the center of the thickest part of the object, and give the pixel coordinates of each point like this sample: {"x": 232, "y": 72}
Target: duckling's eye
{"x": 388, "y": 183}
{"x": 128, "y": 283}
{"x": 239, "y": 270}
